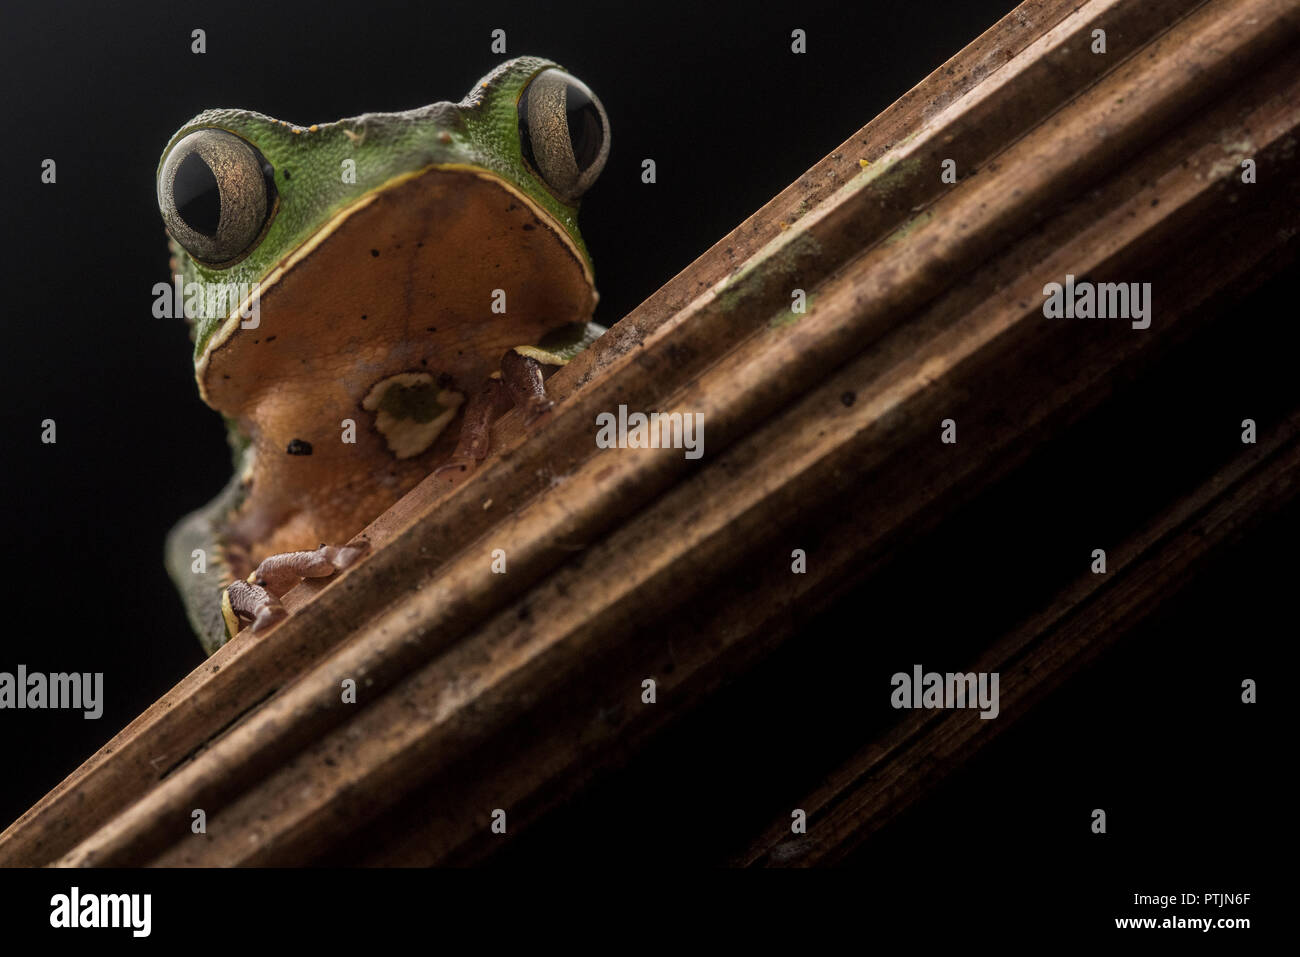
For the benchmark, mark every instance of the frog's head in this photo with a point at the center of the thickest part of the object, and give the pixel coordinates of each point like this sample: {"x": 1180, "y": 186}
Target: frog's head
{"x": 366, "y": 236}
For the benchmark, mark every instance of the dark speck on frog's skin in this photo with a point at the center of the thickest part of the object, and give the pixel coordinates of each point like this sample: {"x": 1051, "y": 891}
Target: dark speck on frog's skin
{"x": 529, "y": 227}
{"x": 375, "y": 253}
{"x": 848, "y": 398}
{"x": 299, "y": 447}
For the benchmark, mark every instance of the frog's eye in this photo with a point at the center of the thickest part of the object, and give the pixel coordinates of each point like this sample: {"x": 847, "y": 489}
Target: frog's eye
{"x": 217, "y": 195}
{"x": 563, "y": 133}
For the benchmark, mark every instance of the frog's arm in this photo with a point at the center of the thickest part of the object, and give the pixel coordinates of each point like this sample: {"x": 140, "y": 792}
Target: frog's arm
{"x": 202, "y": 592}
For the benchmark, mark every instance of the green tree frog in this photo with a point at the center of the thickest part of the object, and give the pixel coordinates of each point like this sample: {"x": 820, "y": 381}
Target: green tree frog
{"x": 408, "y": 271}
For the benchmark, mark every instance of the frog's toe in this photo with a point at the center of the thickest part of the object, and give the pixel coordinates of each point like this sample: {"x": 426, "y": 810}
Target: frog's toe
{"x": 244, "y": 603}
{"x": 279, "y": 573}
{"x": 536, "y": 407}
{"x": 268, "y": 616}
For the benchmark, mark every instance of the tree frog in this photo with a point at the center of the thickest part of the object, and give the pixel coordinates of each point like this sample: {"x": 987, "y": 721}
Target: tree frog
{"x": 395, "y": 273}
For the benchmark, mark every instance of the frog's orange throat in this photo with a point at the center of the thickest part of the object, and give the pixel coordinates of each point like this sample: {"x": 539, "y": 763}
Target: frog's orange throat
{"x": 360, "y": 359}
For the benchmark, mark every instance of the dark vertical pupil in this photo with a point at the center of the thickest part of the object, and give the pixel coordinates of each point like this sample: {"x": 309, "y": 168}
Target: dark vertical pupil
{"x": 196, "y": 196}
{"x": 526, "y": 130}
{"x": 585, "y": 132}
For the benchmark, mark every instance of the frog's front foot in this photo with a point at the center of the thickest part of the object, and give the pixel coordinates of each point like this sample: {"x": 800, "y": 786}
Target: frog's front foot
{"x": 257, "y": 600}
{"x": 245, "y": 602}
{"x": 519, "y": 383}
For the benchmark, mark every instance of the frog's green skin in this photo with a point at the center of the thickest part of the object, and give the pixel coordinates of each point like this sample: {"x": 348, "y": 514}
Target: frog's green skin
{"x": 427, "y": 173}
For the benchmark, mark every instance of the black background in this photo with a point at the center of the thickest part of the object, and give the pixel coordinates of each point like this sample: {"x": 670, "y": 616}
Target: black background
{"x": 714, "y": 95}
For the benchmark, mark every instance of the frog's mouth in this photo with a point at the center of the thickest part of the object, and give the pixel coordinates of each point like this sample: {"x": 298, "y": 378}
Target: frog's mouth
{"x": 451, "y": 251}
{"x": 425, "y": 284}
